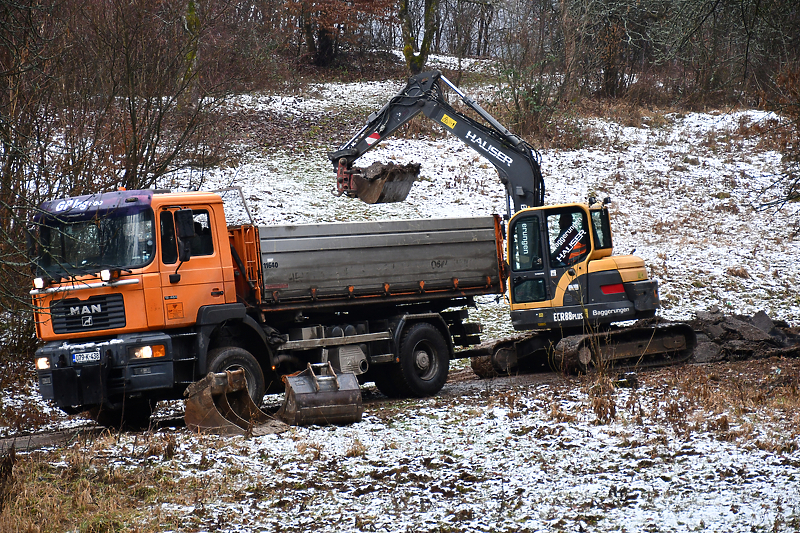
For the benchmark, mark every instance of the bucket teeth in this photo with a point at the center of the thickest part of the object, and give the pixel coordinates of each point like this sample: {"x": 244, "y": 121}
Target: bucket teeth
{"x": 319, "y": 395}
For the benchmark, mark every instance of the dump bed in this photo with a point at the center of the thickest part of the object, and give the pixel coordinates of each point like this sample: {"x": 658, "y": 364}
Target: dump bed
{"x": 396, "y": 260}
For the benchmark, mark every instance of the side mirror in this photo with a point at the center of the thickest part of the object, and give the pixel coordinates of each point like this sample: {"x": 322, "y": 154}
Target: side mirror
{"x": 184, "y": 225}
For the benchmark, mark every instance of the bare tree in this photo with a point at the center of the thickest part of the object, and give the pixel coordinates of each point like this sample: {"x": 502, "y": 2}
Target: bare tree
{"x": 327, "y": 25}
{"x": 416, "y": 51}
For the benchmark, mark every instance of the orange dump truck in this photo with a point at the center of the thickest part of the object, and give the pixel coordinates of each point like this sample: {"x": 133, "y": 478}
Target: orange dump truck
{"x": 141, "y": 293}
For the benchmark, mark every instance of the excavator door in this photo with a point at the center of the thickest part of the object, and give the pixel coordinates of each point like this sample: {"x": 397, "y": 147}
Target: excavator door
{"x": 549, "y": 249}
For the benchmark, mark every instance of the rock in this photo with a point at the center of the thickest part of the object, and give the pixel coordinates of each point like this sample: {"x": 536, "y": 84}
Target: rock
{"x": 746, "y": 331}
{"x": 627, "y": 380}
{"x": 763, "y": 322}
{"x": 707, "y": 352}
{"x": 714, "y": 331}
{"x": 739, "y": 350}
{"x": 711, "y": 317}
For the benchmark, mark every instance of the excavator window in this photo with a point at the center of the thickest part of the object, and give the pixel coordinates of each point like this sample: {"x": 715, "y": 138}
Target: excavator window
{"x": 526, "y": 250}
{"x": 602, "y": 229}
{"x": 569, "y": 238}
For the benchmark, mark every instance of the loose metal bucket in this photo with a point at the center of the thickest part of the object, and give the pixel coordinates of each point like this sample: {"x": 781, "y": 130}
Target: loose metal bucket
{"x": 385, "y": 183}
{"x": 319, "y": 395}
{"x": 220, "y": 403}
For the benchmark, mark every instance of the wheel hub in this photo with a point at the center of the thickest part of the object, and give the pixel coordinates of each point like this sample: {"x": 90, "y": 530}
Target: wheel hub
{"x": 422, "y": 360}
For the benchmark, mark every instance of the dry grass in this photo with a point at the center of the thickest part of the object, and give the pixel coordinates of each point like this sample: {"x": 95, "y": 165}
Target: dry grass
{"x": 77, "y": 490}
{"x": 726, "y": 399}
{"x": 729, "y": 400}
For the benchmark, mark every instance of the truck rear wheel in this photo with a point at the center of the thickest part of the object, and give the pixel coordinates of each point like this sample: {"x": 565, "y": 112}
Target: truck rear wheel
{"x": 235, "y": 358}
{"x": 384, "y": 380}
{"x": 424, "y": 361}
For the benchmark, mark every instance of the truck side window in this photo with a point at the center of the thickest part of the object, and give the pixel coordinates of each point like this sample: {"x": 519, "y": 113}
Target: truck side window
{"x": 202, "y": 243}
{"x": 569, "y": 238}
{"x": 526, "y": 248}
{"x": 169, "y": 247}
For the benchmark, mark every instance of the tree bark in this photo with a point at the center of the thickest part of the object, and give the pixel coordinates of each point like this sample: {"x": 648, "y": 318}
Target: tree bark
{"x": 416, "y": 61}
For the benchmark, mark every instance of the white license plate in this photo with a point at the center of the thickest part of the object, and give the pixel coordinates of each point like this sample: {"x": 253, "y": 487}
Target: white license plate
{"x": 86, "y": 357}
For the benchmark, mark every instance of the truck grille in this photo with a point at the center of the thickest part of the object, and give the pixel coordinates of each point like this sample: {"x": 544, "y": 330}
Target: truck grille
{"x": 98, "y": 312}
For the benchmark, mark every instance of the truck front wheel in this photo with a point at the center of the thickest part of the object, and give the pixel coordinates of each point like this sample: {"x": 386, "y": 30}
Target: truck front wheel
{"x": 132, "y": 414}
{"x": 424, "y": 361}
{"x": 235, "y": 358}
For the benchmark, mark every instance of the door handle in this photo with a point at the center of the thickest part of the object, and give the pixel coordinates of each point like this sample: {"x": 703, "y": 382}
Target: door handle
{"x": 217, "y": 293}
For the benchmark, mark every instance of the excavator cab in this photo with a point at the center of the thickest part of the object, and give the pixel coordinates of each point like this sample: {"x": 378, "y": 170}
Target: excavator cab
{"x": 563, "y": 274}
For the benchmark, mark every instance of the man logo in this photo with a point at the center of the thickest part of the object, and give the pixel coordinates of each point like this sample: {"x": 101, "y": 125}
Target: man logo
{"x": 86, "y": 321}
{"x": 85, "y": 309}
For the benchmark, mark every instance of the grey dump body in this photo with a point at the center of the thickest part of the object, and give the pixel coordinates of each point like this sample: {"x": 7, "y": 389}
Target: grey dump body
{"x": 394, "y": 260}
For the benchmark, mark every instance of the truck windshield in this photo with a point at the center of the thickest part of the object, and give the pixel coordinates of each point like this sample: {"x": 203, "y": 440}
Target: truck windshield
{"x": 108, "y": 240}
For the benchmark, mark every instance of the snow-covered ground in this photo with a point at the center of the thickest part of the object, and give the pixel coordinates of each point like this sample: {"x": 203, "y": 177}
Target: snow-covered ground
{"x": 527, "y": 455}
{"x": 534, "y": 453}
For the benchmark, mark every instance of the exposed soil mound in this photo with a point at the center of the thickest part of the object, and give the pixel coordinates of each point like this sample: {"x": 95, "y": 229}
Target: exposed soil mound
{"x": 723, "y": 337}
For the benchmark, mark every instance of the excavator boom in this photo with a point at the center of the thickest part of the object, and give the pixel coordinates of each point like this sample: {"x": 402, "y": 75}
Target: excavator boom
{"x": 516, "y": 162}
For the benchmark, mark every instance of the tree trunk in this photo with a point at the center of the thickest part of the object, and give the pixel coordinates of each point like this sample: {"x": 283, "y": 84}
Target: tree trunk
{"x": 416, "y": 62}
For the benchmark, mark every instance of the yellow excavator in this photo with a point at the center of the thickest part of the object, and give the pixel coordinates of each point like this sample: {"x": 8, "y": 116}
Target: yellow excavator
{"x": 566, "y": 289}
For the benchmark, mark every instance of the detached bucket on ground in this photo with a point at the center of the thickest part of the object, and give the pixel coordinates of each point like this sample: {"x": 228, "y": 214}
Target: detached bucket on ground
{"x": 384, "y": 183}
{"x": 319, "y": 395}
{"x": 220, "y": 403}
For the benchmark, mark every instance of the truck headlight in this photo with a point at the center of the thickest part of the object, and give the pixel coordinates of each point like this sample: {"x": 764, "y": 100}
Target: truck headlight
{"x": 42, "y": 363}
{"x": 38, "y": 283}
{"x": 105, "y": 275}
{"x": 148, "y": 352}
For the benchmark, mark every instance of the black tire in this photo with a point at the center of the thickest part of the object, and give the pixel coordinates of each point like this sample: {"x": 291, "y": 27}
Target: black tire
{"x": 424, "y": 361}
{"x": 384, "y": 380}
{"x": 133, "y": 414}
{"x": 234, "y": 358}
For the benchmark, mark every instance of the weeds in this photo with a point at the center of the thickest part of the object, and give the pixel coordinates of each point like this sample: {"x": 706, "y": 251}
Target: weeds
{"x": 602, "y": 399}
{"x": 356, "y": 449}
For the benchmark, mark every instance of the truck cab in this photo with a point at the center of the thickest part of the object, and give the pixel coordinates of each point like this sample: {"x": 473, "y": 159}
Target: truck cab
{"x": 139, "y": 294}
{"x": 115, "y": 272}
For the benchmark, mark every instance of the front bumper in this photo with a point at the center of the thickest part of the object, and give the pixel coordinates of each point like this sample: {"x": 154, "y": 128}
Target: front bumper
{"x": 93, "y": 373}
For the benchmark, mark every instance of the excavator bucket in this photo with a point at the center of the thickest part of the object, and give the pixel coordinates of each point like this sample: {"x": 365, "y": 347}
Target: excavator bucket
{"x": 385, "y": 183}
{"x": 219, "y": 403}
{"x": 319, "y": 395}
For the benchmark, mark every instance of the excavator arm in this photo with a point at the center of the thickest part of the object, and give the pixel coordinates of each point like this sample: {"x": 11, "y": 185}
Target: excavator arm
{"x": 516, "y": 162}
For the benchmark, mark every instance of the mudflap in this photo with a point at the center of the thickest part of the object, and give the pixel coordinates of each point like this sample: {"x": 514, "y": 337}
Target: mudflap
{"x": 319, "y": 395}
{"x": 220, "y": 404}
{"x": 384, "y": 183}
